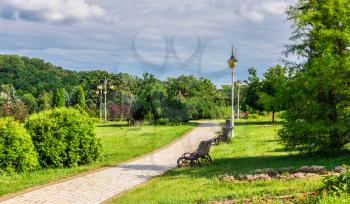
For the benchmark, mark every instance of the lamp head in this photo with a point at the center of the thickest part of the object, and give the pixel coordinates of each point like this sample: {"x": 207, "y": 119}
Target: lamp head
{"x": 232, "y": 61}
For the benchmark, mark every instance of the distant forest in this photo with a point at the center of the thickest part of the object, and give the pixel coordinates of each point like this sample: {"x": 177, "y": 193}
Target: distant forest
{"x": 31, "y": 84}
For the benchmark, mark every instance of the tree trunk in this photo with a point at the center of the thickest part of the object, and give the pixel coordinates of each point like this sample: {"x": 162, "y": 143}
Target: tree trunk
{"x": 273, "y": 116}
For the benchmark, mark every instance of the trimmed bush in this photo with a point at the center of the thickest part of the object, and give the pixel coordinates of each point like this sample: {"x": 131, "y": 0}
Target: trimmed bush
{"x": 17, "y": 152}
{"x": 63, "y": 137}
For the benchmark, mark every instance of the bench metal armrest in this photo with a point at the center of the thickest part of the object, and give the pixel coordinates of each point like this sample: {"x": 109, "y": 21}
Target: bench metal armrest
{"x": 187, "y": 154}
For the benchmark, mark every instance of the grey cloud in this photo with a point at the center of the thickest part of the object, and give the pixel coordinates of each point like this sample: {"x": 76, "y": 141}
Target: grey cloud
{"x": 108, "y": 43}
{"x": 49, "y": 10}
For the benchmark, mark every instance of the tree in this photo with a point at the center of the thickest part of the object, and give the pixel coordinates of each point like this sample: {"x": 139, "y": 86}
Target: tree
{"x": 317, "y": 114}
{"x": 151, "y": 99}
{"x": 272, "y": 94}
{"x": 80, "y": 97}
{"x": 188, "y": 92}
{"x": 7, "y": 94}
{"x": 118, "y": 111}
{"x": 252, "y": 91}
{"x": 34, "y": 76}
{"x": 11, "y": 104}
{"x": 30, "y": 101}
{"x": 59, "y": 98}
{"x": 45, "y": 101}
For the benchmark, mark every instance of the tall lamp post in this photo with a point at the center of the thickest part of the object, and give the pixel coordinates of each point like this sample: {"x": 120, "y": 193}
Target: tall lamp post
{"x": 103, "y": 88}
{"x": 232, "y": 63}
{"x": 99, "y": 92}
{"x": 238, "y": 97}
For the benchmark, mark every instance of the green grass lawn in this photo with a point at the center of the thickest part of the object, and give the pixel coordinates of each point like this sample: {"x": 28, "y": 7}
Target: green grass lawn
{"x": 256, "y": 146}
{"x": 118, "y": 144}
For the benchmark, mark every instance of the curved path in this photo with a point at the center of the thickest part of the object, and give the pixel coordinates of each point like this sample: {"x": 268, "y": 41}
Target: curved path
{"x": 102, "y": 185}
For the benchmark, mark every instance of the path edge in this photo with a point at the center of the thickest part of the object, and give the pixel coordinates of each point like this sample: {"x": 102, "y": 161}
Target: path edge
{"x": 150, "y": 179}
{"x": 61, "y": 180}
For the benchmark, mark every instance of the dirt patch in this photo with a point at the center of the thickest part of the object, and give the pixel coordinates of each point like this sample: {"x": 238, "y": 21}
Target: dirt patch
{"x": 268, "y": 199}
{"x": 303, "y": 172}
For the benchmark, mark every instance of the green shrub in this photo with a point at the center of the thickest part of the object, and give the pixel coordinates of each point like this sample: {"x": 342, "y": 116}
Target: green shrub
{"x": 17, "y": 152}
{"x": 314, "y": 136}
{"x": 63, "y": 137}
{"x": 253, "y": 116}
{"x": 162, "y": 121}
{"x": 341, "y": 199}
{"x": 336, "y": 184}
{"x": 176, "y": 111}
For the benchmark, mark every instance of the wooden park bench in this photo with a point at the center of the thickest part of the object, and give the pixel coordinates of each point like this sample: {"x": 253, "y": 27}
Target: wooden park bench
{"x": 198, "y": 156}
{"x": 224, "y": 134}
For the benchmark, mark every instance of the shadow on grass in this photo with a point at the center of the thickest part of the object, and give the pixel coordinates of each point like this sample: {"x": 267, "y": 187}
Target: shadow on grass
{"x": 112, "y": 125}
{"x": 278, "y": 150}
{"x": 245, "y": 165}
{"x": 242, "y": 123}
{"x": 125, "y": 125}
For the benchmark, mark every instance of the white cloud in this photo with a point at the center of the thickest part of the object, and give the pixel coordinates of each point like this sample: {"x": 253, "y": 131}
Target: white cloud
{"x": 257, "y": 11}
{"x": 275, "y": 7}
{"x": 49, "y": 10}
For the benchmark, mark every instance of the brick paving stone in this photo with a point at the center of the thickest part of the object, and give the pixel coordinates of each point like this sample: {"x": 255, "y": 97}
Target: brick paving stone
{"x": 102, "y": 185}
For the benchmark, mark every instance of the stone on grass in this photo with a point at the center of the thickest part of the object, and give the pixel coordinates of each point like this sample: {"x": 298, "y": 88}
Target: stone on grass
{"x": 339, "y": 169}
{"x": 271, "y": 172}
{"x": 313, "y": 169}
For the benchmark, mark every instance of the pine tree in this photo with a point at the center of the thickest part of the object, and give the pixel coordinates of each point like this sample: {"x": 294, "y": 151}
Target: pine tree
{"x": 318, "y": 114}
{"x": 59, "y": 98}
{"x": 80, "y": 97}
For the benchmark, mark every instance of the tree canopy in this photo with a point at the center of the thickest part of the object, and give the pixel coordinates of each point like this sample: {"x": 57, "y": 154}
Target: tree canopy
{"x": 317, "y": 115}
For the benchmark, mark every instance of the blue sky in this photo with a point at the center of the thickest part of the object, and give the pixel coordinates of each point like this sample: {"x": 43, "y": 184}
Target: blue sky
{"x": 165, "y": 38}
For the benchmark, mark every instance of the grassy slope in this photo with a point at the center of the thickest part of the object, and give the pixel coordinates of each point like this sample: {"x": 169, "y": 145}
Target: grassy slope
{"x": 254, "y": 147}
{"x": 118, "y": 144}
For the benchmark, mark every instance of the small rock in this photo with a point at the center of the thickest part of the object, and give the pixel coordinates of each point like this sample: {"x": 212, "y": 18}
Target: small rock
{"x": 242, "y": 177}
{"x": 339, "y": 169}
{"x": 313, "y": 169}
{"x": 309, "y": 175}
{"x": 299, "y": 175}
{"x": 262, "y": 177}
{"x": 250, "y": 177}
{"x": 271, "y": 172}
{"x": 286, "y": 170}
{"x": 226, "y": 177}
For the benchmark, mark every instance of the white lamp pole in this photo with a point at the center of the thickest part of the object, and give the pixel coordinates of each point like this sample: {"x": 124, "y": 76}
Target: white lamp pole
{"x": 99, "y": 92}
{"x": 103, "y": 88}
{"x": 232, "y": 63}
{"x": 233, "y": 103}
{"x": 238, "y": 96}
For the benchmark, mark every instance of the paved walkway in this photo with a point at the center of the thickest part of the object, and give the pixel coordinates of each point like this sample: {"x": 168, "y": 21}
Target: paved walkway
{"x": 102, "y": 185}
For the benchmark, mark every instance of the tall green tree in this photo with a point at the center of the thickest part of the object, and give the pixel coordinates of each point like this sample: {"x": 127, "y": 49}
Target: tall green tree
{"x": 273, "y": 88}
{"x": 318, "y": 113}
{"x": 80, "y": 97}
{"x": 253, "y": 89}
{"x": 59, "y": 98}
{"x": 45, "y": 101}
{"x": 151, "y": 99}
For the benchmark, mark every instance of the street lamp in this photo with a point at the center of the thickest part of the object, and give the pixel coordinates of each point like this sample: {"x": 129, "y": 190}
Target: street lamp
{"x": 238, "y": 83}
{"x": 99, "y": 91}
{"x": 103, "y": 88}
{"x": 232, "y": 63}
